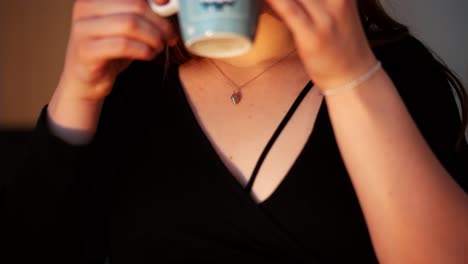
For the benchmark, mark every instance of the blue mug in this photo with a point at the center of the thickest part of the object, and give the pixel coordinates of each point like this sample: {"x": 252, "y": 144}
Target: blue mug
{"x": 214, "y": 28}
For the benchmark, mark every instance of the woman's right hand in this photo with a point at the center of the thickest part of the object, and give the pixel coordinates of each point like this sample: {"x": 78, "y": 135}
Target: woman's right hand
{"x": 106, "y": 35}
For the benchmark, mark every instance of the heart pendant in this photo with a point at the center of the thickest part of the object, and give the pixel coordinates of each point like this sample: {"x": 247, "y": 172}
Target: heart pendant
{"x": 235, "y": 98}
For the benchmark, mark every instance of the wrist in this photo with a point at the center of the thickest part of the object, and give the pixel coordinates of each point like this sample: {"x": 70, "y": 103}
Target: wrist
{"x": 346, "y": 73}
{"x": 74, "y": 121}
{"x": 362, "y": 79}
{"x": 71, "y": 116}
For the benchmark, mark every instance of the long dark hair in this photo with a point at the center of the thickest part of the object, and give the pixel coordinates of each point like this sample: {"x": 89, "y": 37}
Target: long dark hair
{"x": 381, "y": 29}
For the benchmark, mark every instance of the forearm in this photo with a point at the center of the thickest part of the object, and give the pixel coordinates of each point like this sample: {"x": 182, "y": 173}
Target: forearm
{"x": 415, "y": 211}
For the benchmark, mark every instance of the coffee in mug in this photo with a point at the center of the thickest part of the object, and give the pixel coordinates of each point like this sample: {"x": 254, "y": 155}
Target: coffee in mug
{"x": 214, "y": 28}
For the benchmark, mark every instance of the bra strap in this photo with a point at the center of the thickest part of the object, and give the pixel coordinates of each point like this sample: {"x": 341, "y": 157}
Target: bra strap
{"x": 279, "y": 129}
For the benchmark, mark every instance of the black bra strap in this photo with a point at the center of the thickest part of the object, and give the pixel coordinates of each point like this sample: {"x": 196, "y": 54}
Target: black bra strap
{"x": 278, "y": 131}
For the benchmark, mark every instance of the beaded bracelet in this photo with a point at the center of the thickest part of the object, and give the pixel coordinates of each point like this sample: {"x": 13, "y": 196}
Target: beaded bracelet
{"x": 354, "y": 83}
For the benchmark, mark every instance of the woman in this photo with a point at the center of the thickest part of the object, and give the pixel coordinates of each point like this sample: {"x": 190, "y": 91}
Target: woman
{"x": 144, "y": 162}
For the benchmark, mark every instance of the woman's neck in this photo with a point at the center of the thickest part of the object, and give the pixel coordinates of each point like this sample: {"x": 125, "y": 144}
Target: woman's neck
{"x": 273, "y": 41}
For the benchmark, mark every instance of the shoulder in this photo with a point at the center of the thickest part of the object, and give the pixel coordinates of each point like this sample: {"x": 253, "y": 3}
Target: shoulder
{"x": 421, "y": 79}
{"x": 418, "y": 75}
{"x": 409, "y": 57}
{"x": 406, "y": 46}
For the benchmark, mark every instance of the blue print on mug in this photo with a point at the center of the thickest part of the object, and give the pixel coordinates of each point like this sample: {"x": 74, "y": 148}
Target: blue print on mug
{"x": 217, "y": 5}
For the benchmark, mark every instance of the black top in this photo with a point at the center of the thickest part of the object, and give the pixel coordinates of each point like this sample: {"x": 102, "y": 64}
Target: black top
{"x": 151, "y": 189}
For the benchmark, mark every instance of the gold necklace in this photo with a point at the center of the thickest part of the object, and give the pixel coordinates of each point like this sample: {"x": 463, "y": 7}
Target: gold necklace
{"x": 237, "y": 95}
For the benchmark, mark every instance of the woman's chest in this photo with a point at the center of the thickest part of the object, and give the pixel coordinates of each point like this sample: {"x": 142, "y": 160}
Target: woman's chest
{"x": 175, "y": 196}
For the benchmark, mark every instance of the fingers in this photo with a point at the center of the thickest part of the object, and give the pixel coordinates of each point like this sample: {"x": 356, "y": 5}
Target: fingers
{"x": 90, "y": 8}
{"x": 303, "y": 15}
{"x": 293, "y": 14}
{"x": 86, "y": 9}
{"x": 123, "y": 25}
{"x": 318, "y": 11}
{"x": 115, "y": 48}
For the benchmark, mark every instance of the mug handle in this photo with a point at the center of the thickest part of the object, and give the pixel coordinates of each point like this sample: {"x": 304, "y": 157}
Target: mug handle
{"x": 166, "y": 10}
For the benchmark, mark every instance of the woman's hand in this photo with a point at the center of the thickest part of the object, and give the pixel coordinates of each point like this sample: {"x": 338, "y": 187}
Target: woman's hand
{"x": 106, "y": 35}
{"x": 329, "y": 38}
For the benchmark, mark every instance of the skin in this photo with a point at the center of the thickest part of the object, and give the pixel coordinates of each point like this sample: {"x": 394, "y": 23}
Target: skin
{"x": 403, "y": 198}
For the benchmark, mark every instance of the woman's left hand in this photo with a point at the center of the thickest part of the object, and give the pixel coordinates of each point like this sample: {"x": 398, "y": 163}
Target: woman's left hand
{"x": 329, "y": 38}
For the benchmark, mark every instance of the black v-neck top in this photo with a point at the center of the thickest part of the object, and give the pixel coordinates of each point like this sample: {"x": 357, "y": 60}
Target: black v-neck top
{"x": 151, "y": 189}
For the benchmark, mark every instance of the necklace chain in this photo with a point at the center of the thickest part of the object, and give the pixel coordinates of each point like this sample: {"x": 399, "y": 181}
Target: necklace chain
{"x": 237, "y": 95}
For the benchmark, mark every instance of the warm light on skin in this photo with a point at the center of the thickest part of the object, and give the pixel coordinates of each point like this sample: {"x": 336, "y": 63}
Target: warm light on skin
{"x": 273, "y": 40}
